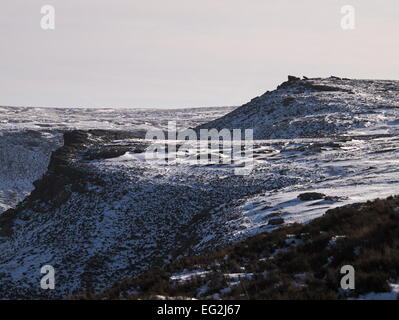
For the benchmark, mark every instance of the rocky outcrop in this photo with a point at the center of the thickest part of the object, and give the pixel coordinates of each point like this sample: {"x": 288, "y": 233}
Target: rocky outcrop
{"x": 67, "y": 172}
{"x": 313, "y": 107}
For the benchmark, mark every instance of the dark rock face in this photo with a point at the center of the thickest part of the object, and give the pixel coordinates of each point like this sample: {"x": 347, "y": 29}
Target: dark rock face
{"x": 311, "y": 108}
{"x": 67, "y": 171}
{"x": 75, "y": 137}
{"x": 293, "y": 78}
{"x": 6, "y": 221}
{"x": 327, "y": 88}
{"x": 308, "y": 196}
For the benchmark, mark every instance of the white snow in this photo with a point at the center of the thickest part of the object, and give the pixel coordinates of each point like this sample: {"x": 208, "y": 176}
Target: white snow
{"x": 188, "y": 275}
{"x": 341, "y": 144}
{"x": 392, "y": 295}
{"x": 238, "y": 276}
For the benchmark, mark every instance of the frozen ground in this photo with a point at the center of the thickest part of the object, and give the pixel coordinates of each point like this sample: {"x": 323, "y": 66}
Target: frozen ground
{"x": 29, "y": 135}
{"x": 23, "y": 118}
{"x": 347, "y": 169}
{"x": 332, "y": 136}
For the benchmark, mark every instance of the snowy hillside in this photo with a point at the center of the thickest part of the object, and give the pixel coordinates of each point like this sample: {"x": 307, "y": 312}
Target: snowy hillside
{"x": 24, "y": 157}
{"x": 300, "y": 261}
{"x": 102, "y": 213}
{"x": 318, "y": 107}
{"x": 29, "y": 135}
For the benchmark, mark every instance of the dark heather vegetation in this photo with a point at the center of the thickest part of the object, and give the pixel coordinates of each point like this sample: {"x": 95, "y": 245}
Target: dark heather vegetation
{"x": 294, "y": 262}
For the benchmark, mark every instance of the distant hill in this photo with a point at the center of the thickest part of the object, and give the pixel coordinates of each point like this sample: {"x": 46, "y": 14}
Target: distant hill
{"x": 315, "y": 107}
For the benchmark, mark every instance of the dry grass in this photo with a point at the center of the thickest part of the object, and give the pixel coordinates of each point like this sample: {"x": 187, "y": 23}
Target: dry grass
{"x": 309, "y": 270}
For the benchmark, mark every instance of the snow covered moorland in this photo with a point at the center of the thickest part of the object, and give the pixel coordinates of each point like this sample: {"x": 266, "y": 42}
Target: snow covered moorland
{"x": 103, "y": 213}
{"x": 29, "y": 135}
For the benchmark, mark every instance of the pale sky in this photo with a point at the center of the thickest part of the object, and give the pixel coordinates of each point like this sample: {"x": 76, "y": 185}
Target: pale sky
{"x": 185, "y": 53}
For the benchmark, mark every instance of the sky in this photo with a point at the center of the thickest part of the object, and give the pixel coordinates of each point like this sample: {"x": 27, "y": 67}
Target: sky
{"x": 185, "y": 53}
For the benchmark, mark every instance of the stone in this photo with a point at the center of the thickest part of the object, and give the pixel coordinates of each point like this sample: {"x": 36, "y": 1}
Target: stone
{"x": 293, "y": 78}
{"x": 309, "y": 196}
{"x": 276, "y": 221}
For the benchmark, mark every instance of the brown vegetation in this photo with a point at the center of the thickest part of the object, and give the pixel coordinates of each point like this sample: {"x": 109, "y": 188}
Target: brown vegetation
{"x": 294, "y": 262}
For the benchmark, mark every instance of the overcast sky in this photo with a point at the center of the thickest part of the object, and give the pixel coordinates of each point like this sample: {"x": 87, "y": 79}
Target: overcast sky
{"x": 185, "y": 53}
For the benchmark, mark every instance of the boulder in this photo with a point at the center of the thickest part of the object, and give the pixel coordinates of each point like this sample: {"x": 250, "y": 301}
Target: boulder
{"x": 309, "y": 196}
{"x": 293, "y": 78}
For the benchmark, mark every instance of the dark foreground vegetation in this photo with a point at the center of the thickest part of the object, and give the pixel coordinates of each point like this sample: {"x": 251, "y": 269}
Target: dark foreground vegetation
{"x": 294, "y": 262}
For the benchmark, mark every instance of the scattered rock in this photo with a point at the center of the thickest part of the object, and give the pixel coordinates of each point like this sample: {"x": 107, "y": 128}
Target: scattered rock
{"x": 308, "y": 196}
